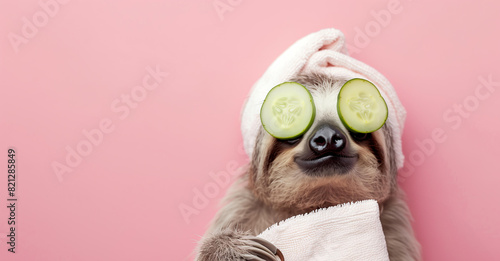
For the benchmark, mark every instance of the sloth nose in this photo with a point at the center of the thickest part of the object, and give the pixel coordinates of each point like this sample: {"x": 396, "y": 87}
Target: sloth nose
{"x": 327, "y": 139}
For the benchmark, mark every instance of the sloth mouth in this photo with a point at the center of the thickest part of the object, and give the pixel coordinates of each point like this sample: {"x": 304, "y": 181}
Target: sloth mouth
{"x": 327, "y": 164}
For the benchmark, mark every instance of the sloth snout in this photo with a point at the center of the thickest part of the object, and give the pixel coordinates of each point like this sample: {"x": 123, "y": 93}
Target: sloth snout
{"x": 327, "y": 139}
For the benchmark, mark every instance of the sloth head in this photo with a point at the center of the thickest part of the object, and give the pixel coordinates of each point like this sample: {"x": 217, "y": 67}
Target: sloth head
{"x": 328, "y": 164}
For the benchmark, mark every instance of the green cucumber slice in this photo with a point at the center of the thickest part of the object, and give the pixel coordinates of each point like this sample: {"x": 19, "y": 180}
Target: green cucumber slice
{"x": 360, "y": 106}
{"x": 288, "y": 111}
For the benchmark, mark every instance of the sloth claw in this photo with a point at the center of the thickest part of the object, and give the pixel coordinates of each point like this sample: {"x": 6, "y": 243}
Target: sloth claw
{"x": 263, "y": 249}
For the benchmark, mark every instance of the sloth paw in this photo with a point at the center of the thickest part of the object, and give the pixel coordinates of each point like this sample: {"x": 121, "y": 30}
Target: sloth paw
{"x": 234, "y": 245}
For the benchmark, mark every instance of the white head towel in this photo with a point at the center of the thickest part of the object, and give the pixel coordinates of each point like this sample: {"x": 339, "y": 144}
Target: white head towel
{"x": 321, "y": 52}
{"x": 350, "y": 231}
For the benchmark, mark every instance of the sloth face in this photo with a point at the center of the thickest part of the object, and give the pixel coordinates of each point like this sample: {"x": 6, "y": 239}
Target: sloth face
{"x": 328, "y": 164}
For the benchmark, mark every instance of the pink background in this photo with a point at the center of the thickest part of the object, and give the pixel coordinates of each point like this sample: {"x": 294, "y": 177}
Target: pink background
{"x": 122, "y": 201}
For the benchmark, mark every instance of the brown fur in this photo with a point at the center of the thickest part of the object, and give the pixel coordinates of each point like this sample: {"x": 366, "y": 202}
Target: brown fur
{"x": 275, "y": 188}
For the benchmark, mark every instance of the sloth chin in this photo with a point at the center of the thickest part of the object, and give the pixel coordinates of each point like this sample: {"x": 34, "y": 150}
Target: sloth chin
{"x": 301, "y": 182}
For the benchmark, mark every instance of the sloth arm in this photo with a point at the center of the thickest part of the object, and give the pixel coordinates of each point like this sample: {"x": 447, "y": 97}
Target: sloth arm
{"x": 242, "y": 211}
{"x": 396, "y": 223}
{"x": 231, "y": 235}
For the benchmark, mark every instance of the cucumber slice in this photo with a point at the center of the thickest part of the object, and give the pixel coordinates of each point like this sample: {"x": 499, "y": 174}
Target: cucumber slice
{"x": 288, "y": 111}
{"x": 360, "y": 106}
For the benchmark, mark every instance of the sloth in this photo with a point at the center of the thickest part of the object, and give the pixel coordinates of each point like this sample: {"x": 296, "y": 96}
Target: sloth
{"x": 326, "y": 166}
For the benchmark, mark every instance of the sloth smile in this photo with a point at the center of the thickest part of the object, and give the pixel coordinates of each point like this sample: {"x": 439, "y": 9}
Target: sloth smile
{"x": 326, "y": 164}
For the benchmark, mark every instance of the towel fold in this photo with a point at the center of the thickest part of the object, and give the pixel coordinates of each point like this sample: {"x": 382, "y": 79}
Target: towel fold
{"x": 351, "y": 231}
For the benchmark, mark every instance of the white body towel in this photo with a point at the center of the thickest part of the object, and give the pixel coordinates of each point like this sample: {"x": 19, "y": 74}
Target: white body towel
{"x": 350, "y": 231}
